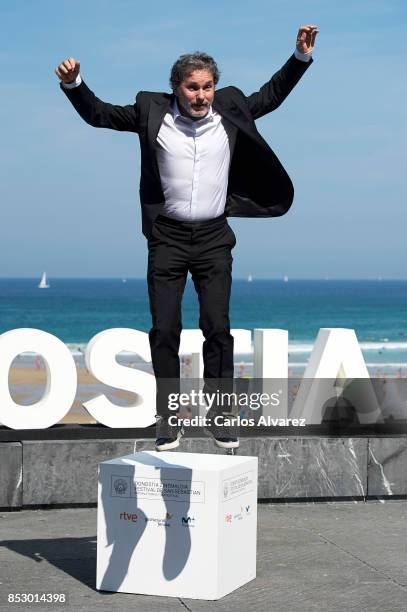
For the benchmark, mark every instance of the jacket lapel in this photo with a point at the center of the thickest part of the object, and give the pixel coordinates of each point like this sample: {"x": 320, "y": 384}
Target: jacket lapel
{"x": 234, "y": 114}
{"x": 241, "y": 118}
{"x": 157, "y": 111}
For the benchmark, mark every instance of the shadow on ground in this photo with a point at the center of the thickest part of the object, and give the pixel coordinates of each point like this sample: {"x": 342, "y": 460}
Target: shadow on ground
{"x": 74, "y": 556}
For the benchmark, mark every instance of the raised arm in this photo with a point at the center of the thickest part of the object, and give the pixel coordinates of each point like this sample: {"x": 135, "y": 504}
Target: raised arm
{"x": 273, "y": 93}
{"x": 93, "y": 110}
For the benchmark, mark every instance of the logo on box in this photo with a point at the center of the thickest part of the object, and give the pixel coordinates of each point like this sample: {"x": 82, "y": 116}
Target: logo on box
{"x": 125, "y": 516}
{"x": 238, "y": 485}
{"x": 160, "y": 522}
{"x": 120, "y": 486}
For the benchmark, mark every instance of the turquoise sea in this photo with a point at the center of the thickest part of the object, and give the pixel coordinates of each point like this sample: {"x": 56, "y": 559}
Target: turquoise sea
{"x": 77, "y": 309}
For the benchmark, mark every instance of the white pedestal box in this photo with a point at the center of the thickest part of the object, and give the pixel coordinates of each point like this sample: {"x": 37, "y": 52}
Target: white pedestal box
{"x": 177, "y": 524}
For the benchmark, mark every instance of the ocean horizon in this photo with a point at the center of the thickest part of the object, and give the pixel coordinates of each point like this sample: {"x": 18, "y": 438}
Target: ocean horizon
{"x": 75, "y": 309}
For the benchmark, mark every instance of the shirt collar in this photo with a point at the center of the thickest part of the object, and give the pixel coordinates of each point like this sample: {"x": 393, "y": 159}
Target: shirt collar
{"x": 176, "y": 113}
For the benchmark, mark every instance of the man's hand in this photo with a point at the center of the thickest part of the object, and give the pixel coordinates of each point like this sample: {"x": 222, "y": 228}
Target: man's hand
{"x": 306, "y": 38}
{"x": 68, "y": 70}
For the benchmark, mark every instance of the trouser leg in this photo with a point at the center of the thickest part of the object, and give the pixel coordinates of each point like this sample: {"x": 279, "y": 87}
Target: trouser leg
{"x": 211, "y": 269}
{"x": 166, "y": 276}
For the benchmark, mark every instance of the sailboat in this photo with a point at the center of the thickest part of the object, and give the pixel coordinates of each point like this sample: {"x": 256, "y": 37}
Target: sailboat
{"x": 285, "y": 279}
{"x": 43, "y": 282}
{"x": 249, "y": 278}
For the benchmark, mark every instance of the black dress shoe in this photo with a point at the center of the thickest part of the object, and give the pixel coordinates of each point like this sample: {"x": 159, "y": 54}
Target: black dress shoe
{"x": 224, "y": 436}
{"x": 163, "y": 444}
{"x": 226, "y": 441}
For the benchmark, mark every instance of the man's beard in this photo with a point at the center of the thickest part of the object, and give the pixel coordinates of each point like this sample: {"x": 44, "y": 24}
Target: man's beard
{"x": 187, "y": 109}
{"x": 197, "y": 112}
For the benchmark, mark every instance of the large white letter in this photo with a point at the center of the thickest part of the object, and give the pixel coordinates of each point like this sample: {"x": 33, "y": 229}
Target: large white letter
{"x": 270, "y": 348}
{"x": 61, "y": 382}
{"x": 335, "y": 361}
{"x": 101, "y": 361}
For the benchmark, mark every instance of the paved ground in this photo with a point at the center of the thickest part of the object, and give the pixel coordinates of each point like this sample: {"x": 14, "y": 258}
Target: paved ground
{"x": 335, "y": 556}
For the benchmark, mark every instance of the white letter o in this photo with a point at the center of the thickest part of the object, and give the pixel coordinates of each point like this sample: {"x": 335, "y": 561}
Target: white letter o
{"x": 61, "y": 382}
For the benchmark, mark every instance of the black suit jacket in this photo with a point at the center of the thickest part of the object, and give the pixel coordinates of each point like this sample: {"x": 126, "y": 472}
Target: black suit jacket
{"x": 258, "y": 184}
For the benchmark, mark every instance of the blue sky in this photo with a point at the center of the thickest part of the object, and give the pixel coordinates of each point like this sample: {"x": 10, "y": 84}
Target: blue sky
{"x": 69, "y": 192}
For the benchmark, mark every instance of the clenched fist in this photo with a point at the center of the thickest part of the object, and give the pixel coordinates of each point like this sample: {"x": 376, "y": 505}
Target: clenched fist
{"x": 306, "y": 38}
{"x": 68, "y": 70}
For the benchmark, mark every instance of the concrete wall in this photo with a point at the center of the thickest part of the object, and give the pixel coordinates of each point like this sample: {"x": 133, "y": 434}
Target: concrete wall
{"x": 50, "y": 472}
{"x": 11, "y": 474}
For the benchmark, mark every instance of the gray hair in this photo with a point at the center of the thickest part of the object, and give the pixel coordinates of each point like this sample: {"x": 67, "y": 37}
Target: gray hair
{"x": 189, "y": 62}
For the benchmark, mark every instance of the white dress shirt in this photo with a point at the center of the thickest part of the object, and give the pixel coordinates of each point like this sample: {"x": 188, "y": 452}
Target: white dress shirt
{"x": 193, "y": 160}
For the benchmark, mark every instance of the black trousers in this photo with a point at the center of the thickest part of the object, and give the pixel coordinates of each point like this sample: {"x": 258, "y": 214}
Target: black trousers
{"x": 202, "y": 248}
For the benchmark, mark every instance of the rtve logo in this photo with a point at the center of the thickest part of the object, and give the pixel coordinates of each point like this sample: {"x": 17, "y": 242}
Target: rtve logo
{"x": 128, "y": 517}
